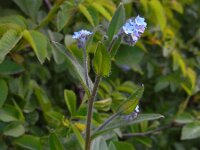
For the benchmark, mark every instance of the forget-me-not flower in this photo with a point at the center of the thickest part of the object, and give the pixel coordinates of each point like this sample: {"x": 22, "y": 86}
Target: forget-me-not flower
{"x": 133, "y": 115}
{"x": 81, "y": 37}
{"x": 133, "y": 29}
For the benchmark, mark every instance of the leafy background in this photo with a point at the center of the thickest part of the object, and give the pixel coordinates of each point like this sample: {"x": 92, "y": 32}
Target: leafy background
{"x": 42, "y": 103}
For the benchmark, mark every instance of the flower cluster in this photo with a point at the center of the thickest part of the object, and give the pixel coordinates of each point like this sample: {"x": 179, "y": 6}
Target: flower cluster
{"x": 81, "y": 37}
{"x": 133, "y": 115}
{"x": 133, "y": 29}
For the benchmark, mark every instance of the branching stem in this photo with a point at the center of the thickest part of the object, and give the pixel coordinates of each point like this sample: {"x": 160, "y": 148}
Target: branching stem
{"x": 86, "y": 67}
{"x": 90, "y": 114}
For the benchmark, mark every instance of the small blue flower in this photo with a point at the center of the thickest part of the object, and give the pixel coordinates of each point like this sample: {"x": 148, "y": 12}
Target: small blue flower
{"x": 133, "y": 29}
{"x": 133, "y": 115}
{"x": 81, "y": 37}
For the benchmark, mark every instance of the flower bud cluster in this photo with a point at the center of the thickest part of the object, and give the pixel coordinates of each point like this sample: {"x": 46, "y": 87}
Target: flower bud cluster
{"x": 81, "y": 37}
{"x": 132, "y": 30}
{"x": 133, "y": 115}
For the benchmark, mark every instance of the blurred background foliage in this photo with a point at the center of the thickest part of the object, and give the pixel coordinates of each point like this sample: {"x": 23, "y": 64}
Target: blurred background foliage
{"x": 35, "y": 110}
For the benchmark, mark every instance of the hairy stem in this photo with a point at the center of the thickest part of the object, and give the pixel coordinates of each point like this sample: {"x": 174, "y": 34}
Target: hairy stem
{"x": 86, "y": 67}
{"x": 90, "y": 114}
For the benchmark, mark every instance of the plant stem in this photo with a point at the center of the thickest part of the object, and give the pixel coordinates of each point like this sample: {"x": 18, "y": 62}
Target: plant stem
{"x": 152, "y": 131}
{"x": 90, "y": 114}
{"x": 86, "y": 67}
{"x": 111, "y": 44}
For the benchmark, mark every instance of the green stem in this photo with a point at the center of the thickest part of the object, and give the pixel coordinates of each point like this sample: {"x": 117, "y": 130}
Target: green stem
{"x": 112, "y": 43}
{"x": 90, "y": 114}
{"x": 86, "y": 67}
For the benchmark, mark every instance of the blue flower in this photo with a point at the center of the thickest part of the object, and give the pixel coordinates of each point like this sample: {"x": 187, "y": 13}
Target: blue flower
{"x": 133, "y": 115}
{"x": 133, "y": 29}
{"x": 81, "y": 37}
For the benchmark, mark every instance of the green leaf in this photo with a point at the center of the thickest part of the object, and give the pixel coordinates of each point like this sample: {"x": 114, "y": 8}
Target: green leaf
{"x": 95, "y": 15}
{"x": 73, "y": 63}
{"x": 15, "y": 22}
{"x": 99, "y": 144}
{"x": 3, "y": 92}
{"x": 9, "y": 113}
{"x": 8, "y": 42}
{"x": 190, "y": 131}
{"x": 102, "y": 61}
{"x": 29, "y": 142}
{"x": 42, "y": 98}
{"x": 112, "y": 146}
{"x": 103, "y": 105}
{"x": 119, "y": 123}
{"x": 86, "y": 13}
{"x": 38, "y": 42}
{"x": 63, "y": 16}
{"x": 14, "y": 129}
{"x": 30, "y": 8}
{"x": 158, "y": 13}
{"x": 130, "y": 104}
{"x": 177, "y": 6}
{"x": 8, "y": 67}
{"x": 184, "y": 118}
{"x": 189, "y": 83}
{"x": 102, "y": 10}
{"x": 54, "y": 142}
{"x": 117, "y": 22}
{"x": 78, "y": 136}
{"x": 178, "y": 61}
{"x": 70, "y": 99}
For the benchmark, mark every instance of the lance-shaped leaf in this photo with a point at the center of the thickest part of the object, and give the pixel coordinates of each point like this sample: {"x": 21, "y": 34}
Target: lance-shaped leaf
{"x": 70, "y": 99}
{"x": 73, "y": 63}
{"x": 117, "y": 22}
{"x": 86, "y": 13}
{"x": 130, "y": 104}
{"x": 119, "y": 122}
{"x": 102, "y": 61}
{"x": 38, "y": 42}
{"x": 78, "y": 135}
{"x": 54, "y": 142}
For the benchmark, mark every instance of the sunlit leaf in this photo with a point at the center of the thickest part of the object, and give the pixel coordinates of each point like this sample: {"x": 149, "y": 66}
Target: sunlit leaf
{"x": 70, "y": 99}
{"x": 102, "y": 10}
{"x": 86, "y": 13}
{"x": 8, "y": 42}
{"x": 38, "y": 42}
